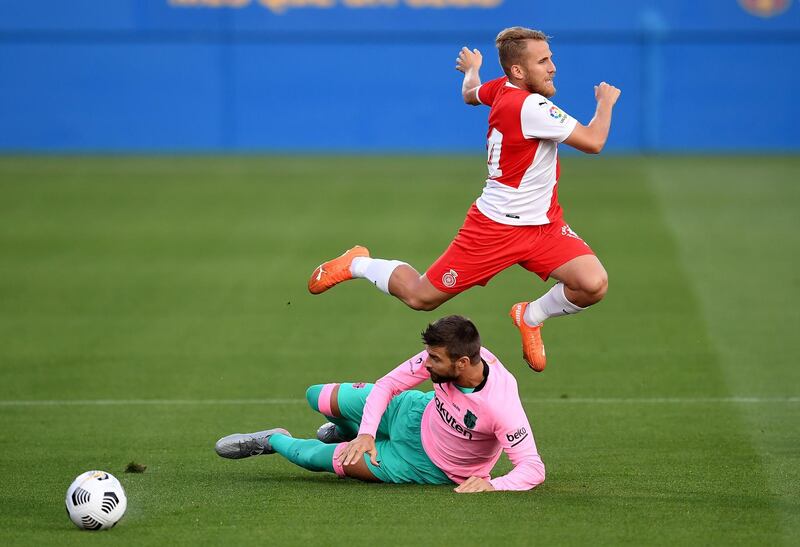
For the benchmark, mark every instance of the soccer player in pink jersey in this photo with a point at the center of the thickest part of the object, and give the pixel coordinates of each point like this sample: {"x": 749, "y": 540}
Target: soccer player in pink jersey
{"x": 517, "y": 219}
{"x": 453, "y": 434}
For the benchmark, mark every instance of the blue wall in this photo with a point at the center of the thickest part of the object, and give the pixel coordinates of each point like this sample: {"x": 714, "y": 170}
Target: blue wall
{"x": 338, "y": 75}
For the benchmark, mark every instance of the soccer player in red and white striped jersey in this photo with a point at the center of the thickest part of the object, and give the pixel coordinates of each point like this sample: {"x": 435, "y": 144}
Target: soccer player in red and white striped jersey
{"x": 517, "y": 219}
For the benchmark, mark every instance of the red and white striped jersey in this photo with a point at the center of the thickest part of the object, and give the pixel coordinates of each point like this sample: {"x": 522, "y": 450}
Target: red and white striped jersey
{"x": 522, "y": 146}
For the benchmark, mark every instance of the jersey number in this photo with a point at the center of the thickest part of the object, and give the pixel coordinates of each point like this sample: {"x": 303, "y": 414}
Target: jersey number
{"x": 494, "y": 144}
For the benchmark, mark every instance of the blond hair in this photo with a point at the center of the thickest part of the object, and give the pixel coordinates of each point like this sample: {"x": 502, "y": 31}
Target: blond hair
{"x": 511, "y": 45}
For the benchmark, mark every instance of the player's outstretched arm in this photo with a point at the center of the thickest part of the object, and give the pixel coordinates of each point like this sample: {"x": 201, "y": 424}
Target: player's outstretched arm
{"x": 592, "y": 138}
{"x": 469, "y": 62}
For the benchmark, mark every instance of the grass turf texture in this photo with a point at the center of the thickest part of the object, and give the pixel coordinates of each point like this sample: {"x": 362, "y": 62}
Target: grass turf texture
{"x": 183, "y": 280}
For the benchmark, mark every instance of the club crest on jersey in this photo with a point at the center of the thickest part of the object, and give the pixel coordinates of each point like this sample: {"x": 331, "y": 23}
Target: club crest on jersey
{"x": 449, "y": 278}
{"x": 470, "y": 419}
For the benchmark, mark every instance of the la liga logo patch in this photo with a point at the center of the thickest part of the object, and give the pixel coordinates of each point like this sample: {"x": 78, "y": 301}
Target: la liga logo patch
{"x": 558, "y": 114}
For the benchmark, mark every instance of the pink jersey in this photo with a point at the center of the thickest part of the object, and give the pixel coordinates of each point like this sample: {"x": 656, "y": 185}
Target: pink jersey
{"x": 522, "y": 146}
{"x": 464, "y": 433}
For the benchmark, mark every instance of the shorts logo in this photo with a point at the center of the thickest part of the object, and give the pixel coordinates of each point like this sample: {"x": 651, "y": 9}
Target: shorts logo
{"x": 449, "y": 278}
{"x": 359, "y": 385}
{"x": 567, "y": 231}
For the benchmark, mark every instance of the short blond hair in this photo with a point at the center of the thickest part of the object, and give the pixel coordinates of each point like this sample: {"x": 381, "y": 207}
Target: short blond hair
{"x": 511, "y": 44}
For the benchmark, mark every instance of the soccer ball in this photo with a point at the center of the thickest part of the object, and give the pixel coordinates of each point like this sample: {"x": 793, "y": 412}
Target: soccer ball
{"x": 96, "y": 501}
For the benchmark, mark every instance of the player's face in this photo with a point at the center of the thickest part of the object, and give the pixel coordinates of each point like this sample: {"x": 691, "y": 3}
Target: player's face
{"x": 538, "y": 69}
{"x": 440, "y": 366}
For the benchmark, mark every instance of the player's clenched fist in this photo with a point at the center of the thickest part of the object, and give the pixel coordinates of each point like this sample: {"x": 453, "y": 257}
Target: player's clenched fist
{"x": 468, "y": 60}
{"x": 606, "y": 93}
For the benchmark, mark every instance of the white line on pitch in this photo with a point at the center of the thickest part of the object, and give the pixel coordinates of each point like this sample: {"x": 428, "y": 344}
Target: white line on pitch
{"x": 550, "y": 400}
{"x": 667, "y": 400}
{"x": 152, "y": 402}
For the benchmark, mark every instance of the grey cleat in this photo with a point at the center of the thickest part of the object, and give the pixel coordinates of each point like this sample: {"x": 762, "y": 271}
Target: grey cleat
{"x": 244, "y": 445}
{"x": 330, "y": 434}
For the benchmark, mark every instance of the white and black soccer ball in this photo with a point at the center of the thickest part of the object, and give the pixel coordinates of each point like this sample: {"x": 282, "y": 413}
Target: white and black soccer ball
{"x": 96, "y": 501}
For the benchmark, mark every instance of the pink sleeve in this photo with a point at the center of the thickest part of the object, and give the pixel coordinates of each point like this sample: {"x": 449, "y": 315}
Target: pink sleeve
{"x": 406, "y": 376}
{"x": 516, "y": 437}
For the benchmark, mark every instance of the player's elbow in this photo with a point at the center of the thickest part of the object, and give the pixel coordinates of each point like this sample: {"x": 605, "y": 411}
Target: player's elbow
{"x": 535, "y": 474}
{"x": 539, "y": 474}
{"x": 470, "y": 99}
{"x": 595, "y": 147}
{"x": 470, "y": 96}
{"x": 587, "y": 140}
{"x": 536, "y": 477}
{"x": 542, "y": 476}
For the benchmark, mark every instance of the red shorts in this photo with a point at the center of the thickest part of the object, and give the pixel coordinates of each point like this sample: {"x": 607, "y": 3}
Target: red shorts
{"x": 483, "y": 248}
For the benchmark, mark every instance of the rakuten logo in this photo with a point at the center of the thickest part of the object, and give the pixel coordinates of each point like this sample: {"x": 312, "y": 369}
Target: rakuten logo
{"x": 450, "y": 420}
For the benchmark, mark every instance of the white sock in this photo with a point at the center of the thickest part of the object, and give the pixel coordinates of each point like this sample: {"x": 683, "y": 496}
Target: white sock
{"x": 358, "y": 267}
{"x": 376, "y": 270}
{"x": 553, "y": 303}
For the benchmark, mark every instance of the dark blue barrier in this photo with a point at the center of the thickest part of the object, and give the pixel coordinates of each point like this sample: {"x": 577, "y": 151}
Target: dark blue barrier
{"x": 377, "y": 75}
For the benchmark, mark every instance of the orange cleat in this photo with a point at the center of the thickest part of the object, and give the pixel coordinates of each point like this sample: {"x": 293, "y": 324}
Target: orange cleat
{"x": 532, "y": 345}
{"x": 334, "y": 271}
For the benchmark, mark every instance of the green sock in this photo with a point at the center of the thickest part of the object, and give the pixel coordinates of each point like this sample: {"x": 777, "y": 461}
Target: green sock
{"x": 309, "y": 454}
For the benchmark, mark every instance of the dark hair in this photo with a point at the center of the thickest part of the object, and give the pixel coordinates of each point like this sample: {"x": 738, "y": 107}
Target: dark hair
{"x": 512, "y": 43}
{"x": 457, "y": 335}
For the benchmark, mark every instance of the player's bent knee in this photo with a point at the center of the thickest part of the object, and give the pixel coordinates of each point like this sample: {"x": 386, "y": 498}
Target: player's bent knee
{"x": 421, "y": 304}
{"x": 324, "y": 399}
{"x": 425, "y": 306}
{"x": 335, "y": 411}
{"x": 599, "y": 288}
{"x": 312, "y": 396}
{"x": 595, "y": 287}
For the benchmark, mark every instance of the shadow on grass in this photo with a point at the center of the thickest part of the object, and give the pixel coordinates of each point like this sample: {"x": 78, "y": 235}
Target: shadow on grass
{"x": 324, "y": 479}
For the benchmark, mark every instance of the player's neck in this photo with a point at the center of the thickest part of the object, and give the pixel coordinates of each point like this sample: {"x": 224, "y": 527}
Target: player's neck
{"x": 517, "y": 83}
{"x": 471, "y": 377}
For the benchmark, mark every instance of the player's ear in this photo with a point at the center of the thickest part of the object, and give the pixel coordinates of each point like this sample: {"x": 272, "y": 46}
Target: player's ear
{"x": 462, "y": 363}
{"x": 517, "y": 72}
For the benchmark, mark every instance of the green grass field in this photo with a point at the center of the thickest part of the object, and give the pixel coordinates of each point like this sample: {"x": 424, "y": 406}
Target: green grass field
{"x": 149, "y": 306}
